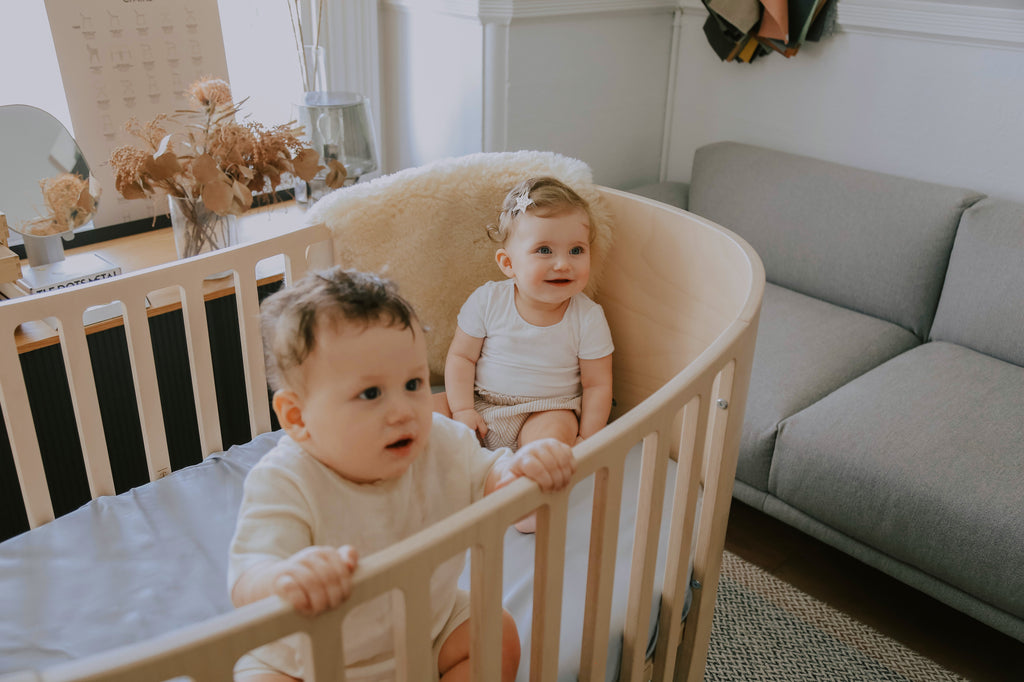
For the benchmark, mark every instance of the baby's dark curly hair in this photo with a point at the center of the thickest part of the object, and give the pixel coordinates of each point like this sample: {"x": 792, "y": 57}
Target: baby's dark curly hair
{"x": 292, "y": 316}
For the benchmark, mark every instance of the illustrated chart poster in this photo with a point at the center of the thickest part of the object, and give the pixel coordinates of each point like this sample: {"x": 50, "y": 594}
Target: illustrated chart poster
{"x": 124, "y": 58}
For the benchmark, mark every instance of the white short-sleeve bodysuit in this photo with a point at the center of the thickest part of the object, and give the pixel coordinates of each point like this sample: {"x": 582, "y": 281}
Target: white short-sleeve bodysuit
{"x": 521, "y": 359}
{"x": 292, "y": 501}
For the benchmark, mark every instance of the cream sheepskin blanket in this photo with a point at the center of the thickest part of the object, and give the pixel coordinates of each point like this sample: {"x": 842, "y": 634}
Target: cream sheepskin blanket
{"x": 425, "y": 228}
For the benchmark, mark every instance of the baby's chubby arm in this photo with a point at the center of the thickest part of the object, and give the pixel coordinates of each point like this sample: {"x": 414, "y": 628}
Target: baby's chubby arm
{"x": 312, "y": 580}
{"x": 548, "y": 462}
{"x": 460, "y": 379}
{"x": 596, "y": 405}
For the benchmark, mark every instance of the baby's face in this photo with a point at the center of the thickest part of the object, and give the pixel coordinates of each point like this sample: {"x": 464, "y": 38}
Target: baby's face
{"x": 366, "y": 403}
{"x": 549, "y": 256}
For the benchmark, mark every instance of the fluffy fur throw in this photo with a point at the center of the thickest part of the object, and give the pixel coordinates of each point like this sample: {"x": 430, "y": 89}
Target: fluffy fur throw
{"x": 425, "y": 228}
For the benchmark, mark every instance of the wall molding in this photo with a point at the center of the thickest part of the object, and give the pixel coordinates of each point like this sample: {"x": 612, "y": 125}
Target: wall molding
{"x": 964, "y": 24}
{"x": 504, "y": 11}
{"x": 921, "y": 19}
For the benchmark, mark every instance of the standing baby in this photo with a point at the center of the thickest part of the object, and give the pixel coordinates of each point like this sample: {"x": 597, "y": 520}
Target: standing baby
{"x": 363, "y": 463}
{"x": 532, "y": 355}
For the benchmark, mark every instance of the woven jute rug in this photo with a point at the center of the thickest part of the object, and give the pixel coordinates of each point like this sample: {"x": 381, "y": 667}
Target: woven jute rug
{"x": 766, "y": 629}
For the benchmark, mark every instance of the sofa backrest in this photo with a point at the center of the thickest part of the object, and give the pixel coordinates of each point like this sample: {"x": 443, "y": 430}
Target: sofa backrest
{"x": 982, "y": 302}
{"x": 871, "y": 242}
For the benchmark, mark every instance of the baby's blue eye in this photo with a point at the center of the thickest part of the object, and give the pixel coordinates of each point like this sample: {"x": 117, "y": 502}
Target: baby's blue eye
{"x": 413, "y": 384}
{"x": 371, "y": 393}
{"x": 576, "y": 251}
{"x": 546, "y": 250}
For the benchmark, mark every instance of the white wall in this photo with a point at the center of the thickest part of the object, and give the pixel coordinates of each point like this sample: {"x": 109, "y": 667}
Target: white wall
{"x": 593, "y": 87}
{"x": 432, "y": 88}
{"x": 931, "y": 90}
{"x": 585, "y": 78}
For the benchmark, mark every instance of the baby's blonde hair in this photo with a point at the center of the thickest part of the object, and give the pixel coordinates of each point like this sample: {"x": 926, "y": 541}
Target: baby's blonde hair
{"x": 544, "y": 196}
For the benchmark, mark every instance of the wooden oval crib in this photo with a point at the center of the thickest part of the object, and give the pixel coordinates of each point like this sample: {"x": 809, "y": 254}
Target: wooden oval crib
{"x": 682, "y": 296}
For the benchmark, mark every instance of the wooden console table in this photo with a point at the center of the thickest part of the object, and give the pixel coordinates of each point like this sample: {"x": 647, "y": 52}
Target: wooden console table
{"x": 52, "y": 409}
{"x": 156, "y": 247}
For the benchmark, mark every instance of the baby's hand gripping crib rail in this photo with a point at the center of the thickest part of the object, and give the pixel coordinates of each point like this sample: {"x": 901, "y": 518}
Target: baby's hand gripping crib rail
{"x": 682, "y": 298}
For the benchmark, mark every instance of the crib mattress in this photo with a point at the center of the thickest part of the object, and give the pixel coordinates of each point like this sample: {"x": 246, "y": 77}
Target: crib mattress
{"x": 123, "y": 569}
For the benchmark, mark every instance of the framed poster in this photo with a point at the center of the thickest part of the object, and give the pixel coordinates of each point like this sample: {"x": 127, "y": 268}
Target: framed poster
{"x": 124, "y": 58}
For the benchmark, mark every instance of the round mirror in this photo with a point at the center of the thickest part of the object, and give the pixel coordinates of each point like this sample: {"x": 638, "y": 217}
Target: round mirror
{"x": 34, "y": 146}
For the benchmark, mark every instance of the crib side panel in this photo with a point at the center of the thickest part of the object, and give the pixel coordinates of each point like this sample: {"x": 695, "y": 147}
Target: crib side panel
{"x": 65, "y": 311}
{"x": 681, "y": 340}
{"x": 672, "y": 284}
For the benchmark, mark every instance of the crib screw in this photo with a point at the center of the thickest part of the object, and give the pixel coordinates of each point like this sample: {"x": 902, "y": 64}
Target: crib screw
{"x": 695, "y": 584}
{"x": 723, "y": 403}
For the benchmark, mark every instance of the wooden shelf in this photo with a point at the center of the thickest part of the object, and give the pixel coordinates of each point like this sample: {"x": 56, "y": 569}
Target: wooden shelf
{"x": 156, "y": 247}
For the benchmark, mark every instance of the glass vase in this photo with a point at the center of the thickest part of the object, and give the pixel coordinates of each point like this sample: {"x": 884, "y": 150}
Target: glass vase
{"x": 313, "y": 68}
{"x": 197, "y": 229}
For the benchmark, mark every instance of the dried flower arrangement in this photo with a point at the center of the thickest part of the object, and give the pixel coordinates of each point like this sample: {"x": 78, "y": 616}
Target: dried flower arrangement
{"x": 69, "y": 204}
{"x": 211, "y": 157}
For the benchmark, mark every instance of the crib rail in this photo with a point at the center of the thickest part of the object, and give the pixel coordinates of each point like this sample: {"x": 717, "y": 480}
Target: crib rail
{"x": 207, "y": 651}
{"x": 682, "y": 297}
{"x": 64, "y": 310}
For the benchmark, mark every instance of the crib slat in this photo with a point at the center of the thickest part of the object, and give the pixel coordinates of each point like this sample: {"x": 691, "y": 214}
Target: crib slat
{"x": 680, "y": 540}
{"x": 413, "y": 653}
{"x": 82, "y": 385}
{"x": 714, "y": 515}
{"x": 143, "y": 365}
{"x": 549, "y": 568}
{"x": 28, "y": 461}
{"x": 485, "y": 608}
{"x": 604, "y": 536}
{"x": 247, "y": 301}
{"x": 197, "y": 334}
{"x": 328, "y": 659}
{"x": 645, "y": 552}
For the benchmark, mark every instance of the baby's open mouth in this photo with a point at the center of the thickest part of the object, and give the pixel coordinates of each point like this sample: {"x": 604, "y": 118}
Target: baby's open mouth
{"x": 401, "y": 443}
{"x": 559, "y": 281}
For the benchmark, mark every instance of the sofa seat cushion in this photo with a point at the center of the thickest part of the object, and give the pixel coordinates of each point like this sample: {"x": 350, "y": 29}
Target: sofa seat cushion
{"x": 805, "y": 349}
{"x": 871, "y": 242}
{"x": 921, "y": 458}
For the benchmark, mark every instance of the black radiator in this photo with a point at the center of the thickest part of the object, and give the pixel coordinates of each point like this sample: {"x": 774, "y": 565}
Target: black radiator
{"x": 50, "y": 401}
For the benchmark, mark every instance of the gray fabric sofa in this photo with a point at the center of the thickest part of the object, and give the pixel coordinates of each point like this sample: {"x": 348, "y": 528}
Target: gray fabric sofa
{"x": 886, "y": 406}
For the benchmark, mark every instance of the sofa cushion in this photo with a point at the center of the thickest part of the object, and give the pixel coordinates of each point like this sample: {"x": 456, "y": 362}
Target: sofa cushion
{"x": 805, "y": 349}
{"x": 921, "y": 458}
{"x": 875, "y": 243}
{"x": 671, "y": 193}
{"x": 986, "y": 313}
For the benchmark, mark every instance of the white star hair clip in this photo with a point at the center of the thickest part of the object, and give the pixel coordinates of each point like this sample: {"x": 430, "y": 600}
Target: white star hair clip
{"x": 523, "y": 202}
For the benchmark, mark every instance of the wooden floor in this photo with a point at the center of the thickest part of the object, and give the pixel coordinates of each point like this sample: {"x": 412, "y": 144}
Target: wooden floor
{"x": 955, "y": 641}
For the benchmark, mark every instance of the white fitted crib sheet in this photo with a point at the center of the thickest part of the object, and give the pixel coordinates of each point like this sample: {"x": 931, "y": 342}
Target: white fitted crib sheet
{"x": 123, "y": 569}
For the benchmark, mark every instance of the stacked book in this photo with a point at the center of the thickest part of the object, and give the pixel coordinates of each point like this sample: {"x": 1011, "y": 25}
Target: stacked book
{"x": 76, "y": 269}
